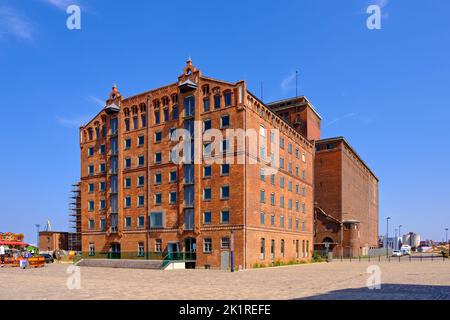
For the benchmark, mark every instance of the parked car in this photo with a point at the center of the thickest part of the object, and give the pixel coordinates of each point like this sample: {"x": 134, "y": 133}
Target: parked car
{"x": 397, "y": 253}
{"x": 48, "y": 257}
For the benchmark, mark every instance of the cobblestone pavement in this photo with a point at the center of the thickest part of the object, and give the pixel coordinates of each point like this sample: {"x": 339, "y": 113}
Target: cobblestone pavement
{"x": 336, "y": 280}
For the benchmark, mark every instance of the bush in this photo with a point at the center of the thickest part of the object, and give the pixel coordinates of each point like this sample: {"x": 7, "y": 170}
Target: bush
{"x": 318, "y": 257}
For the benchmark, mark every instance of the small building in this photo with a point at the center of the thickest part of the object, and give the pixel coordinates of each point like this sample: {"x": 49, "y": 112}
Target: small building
{"x": 50, "y": 241}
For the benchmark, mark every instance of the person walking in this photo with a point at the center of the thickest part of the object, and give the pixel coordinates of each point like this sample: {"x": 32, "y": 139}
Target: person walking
{"x": 2, "y": 255}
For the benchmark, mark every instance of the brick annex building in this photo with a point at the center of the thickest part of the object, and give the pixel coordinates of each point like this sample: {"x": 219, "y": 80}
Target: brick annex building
{"x": 136, "y": 201}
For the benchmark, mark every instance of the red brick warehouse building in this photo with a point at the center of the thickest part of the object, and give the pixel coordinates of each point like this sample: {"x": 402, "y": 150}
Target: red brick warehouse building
{"x": 137, "y": 202}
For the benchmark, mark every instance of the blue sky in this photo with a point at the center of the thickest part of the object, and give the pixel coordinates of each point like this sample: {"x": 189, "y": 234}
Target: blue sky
{"x": 384, "y": 90}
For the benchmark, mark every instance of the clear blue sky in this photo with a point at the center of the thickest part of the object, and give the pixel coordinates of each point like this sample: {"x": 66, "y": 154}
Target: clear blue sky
{"x": 385, "y": 90}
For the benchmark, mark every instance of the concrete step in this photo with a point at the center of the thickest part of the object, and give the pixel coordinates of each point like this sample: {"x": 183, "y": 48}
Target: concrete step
{"x": 122, "y": 263}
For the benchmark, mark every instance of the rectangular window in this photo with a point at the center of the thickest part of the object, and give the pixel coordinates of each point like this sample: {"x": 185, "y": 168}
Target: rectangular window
{"x": 225, "y": 243}
{"x": 262, "y": 196}
{"x": 173, "y": 176}
{"x": 281, "y": 163}
{"x": 289, "y": 204}
{"x": 304, "y": 175}
{"x": 158, "y": 245}
{"x": 127, "y": 183}
{"x": 207, "y": 125}
{"x": 127, "y": 163}
{"x": 272, "y": 199}
{"x": 262, "y": 218}
{"x": 262, "y": 249}
{"x": 102, "y": 167}
{"x": 103, "y": 225}
{"x": 304, "y": 192}
{"x": 225, "y": 169}
{"x": 207, "y": 171}
{"x": 207, "y": 217}
{"x": 282, "y": 143}
{"x": 135, "y": 123}
{"x": 141, "y": 201}
{"x": 141, "y": 161}
{"x": 290, "y": 223}
{"x": 127, "y": 143}
{"x": 166, "y": 115}
{"x": 206, "y": 106}
{"x": 175, "y": 113}
{"x": 102, "y": 149}
{"x": 127, "y": 222}
{"x": 127, "y": 202}
{"x": 141, "y": 221}
{"x": 91, "y": 187}
{"x": 91, "y": 249}
{"x": 303, "y": 208}
{"x": 158, "y": 137}
{"x": 173, "y": 197}
{"x": 225, "y": 192}
{"x": 158, "y": 199}
{"x": 272, "y": 220}
{"x": 113, "y": 126}
{"x": 189, "y": 196}
{"x": 127, "y": 124}
{"x": 207, "y": 245}
{"x": 262, "y": 175}
{"x": 91, "y": 224}
{"x": 143, "y": 120}
{"x": 297, "y": 224}
{"x": 188, "y": 174}
{"x": 272, "y": 179}
{"x": 207, "y": 194}
{"x": 290, "y": 148}
{"x": 91, "y": 205}
{"x": 140, "y": 249}
{"x": 225, "y": 121}
{"x": 156, "y": 220}
{"x": 227, "y": 96}
{"x": 225, "y": 216}
{"x": 272, "y": 249}
{"x": 158, "y": 178}
{"x": 189, "y": 106}
{"x": 102, "y": 204}
{"x": 282, "y": 248}
{"x": 90, "y": 152}
{"x": 189, "y": 219}
{"x": 281, "y": 201}
{"x": 158, "y": 157}
{"x": 157, "y": 117}
{"x": 282, "y": 221}
{"x": 282, "y": 182}
{"x": 141, "y": 140}
{"x": 140, "y": 181}
{"x": 303, "y": 226}
{"x": 217, "y": 101}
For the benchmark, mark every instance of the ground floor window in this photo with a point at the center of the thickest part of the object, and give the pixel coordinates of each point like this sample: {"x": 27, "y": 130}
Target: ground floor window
{"x": 263, "y": 249}
{"x": 225, "y": 243}
{"x": 158, "y": 245}
{"x": 207, "y": 245}
{"x": 140, "y": 251}
{"x": 91, "y": 249}
{"x": 272, "y": 250}
{"x": 282, "y": 248}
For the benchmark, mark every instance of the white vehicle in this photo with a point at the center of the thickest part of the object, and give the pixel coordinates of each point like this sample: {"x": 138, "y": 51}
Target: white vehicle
{"x": 406, "y": 250}
{"x": 397, "y": 253}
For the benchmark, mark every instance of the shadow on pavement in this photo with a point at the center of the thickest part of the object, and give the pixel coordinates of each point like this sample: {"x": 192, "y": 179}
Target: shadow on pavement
{"x": 387, "y": 292}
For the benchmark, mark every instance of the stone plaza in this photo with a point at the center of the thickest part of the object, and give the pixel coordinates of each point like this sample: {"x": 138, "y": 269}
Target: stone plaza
{"x": 416, "y": 280}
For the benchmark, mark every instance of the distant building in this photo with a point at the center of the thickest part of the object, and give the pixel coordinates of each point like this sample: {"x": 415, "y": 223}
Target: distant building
{"x": 53, "y": 241}
{"x": 412, "y": 239}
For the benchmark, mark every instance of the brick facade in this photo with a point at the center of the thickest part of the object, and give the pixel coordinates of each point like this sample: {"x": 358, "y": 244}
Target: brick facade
{"x": 138, "y": 178}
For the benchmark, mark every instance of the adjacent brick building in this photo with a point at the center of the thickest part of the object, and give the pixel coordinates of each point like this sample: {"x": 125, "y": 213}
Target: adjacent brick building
{"x": 136, "y": 201}
{"x": 50, "y": 241}
{"x": 346, "y": 195}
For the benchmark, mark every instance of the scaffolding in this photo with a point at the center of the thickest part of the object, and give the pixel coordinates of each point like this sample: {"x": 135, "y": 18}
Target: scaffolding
{"x": 75, "y": 218}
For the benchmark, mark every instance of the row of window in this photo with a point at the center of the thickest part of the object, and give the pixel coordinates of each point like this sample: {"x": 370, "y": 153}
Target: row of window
{"x": 262, "y": 176}
{"x": 305, "y": 248}
{"x": 158, "y": 246}
{"x": 282, "y": 222}
{"x": 262, "y": 199}
{"x": 157, "y": 220}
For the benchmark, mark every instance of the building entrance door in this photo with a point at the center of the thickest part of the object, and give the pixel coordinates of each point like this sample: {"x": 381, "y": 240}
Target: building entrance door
{"x": 115, "y": 251}
{"x": 172, "y": 250}
{"x": 190, "y": 247}
{"x": 225, "y": 260}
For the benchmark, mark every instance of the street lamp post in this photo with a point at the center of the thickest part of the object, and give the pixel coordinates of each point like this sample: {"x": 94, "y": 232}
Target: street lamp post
{"x": 37, "y": 228}
{"x": 387, "y": 236}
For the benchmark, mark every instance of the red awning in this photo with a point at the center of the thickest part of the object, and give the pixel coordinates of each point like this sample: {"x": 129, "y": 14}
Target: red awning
{"x": 13, "y": 243}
